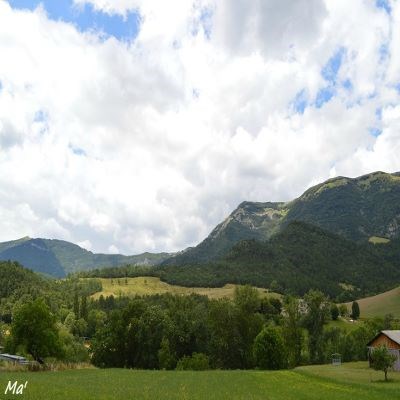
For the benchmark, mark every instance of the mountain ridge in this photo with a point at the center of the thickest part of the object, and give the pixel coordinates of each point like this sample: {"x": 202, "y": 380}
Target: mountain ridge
{"x": 58, "y": 258}
{"x": 355, "y": 208}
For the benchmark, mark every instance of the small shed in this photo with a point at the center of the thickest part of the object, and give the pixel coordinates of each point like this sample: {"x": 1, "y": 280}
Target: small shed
{"x": 336, "y": 359}
{"x": 390, "y": 339}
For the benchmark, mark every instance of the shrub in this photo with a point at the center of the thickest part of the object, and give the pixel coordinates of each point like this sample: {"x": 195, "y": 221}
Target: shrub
{"x": 269, "y": 349}
{"x": 195, "y": 362}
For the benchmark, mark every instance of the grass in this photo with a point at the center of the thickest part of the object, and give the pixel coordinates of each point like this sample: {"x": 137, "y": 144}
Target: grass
{"x": 143, "y": 286}
{"x": 344, "y": 324}
{"x": 378, "y": 240}
{"x": 381, "y": 304}
{"x": 349, "y": 381}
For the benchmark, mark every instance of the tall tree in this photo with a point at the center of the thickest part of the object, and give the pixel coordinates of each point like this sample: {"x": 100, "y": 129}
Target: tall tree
{"x": 76, "y": 304}
{"x": 292, "y": 330}
{"x": 315, "y": 318}
{"x": 34, "y": 328}
{"x": 355, "y": 310}
{"x": 269, "y": 349}
{"x": 84, "y": 310}
{"x": 249, "y": 321}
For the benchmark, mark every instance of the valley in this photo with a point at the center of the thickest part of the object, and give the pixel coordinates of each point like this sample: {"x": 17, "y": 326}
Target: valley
{"x": 261, "y": 292}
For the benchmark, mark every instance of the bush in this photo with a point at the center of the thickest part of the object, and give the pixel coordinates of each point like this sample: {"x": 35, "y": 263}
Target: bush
{"x": 334, "y": 312}
{"x": 269, "y": 349}
{"x": 195, "y": 362}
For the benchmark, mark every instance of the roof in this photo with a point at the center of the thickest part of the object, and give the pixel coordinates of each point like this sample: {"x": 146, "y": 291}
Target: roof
{"x": 12, "y": 357}
{"x": 391, "y": 334}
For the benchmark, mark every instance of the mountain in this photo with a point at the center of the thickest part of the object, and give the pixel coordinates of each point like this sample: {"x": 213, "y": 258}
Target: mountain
{"x": 355, "y": 208}
{"x": 58, "y": 258}
{"x": 301, "y": 256}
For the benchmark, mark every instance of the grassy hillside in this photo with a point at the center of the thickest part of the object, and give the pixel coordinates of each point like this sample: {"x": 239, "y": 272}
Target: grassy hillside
{"x": 150, "y": 285}
{"x": 381, "y": 304}
{"x": 349, "y": 381}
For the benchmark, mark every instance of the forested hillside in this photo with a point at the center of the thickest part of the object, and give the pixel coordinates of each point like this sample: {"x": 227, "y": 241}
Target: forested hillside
{"x": 58, "y": 258}
{"x": 300, "y": 257}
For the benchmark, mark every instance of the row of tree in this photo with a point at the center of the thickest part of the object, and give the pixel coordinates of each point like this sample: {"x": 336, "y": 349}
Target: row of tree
{"x": 172, "y": 331}
{"x": 53, "y": 318}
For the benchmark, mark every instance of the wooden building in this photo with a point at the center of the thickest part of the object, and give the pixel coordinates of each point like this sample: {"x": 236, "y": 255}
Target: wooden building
{"x": 390, "y": 339}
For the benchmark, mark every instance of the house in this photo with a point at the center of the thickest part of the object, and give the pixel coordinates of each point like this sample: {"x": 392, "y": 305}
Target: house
{"x": 390, "y": 339}
{"x": 13, "y": 359}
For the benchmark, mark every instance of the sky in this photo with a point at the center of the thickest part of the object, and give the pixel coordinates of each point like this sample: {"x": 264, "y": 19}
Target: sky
{"x": 138, "y": 125}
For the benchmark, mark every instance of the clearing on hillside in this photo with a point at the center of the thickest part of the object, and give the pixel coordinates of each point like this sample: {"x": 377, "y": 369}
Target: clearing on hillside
{"x": 378, "y": 240}
{"x": 143, "y": 286}
{"x": 380, "y": 305}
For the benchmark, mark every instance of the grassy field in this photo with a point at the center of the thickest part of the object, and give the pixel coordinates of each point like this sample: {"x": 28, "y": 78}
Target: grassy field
{"x": 150, "y": 285}
{"x": 349, "y": 381}
{"x": 381, "y": 304}
{"x": 344, "y": 324}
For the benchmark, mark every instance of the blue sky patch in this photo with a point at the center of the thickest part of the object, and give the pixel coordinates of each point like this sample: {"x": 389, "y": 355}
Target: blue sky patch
{"x": 331, "y": 68}
{"x": 384, "y": 4}
{"x": 86, "y": 18}
{"x": 375, "y": 131}
{"x": 383, "y": 52}
{"x": 205, "y": 22}
{"x": 347, "y": 84}
{"x": 324, "y": 96}
{"x": 300, "y": 102}
{"x": 40, "y": 116}
{"x": 78, "y": 151}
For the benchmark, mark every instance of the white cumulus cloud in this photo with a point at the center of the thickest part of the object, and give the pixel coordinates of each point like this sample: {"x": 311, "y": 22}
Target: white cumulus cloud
{"x": 145, "y": 145}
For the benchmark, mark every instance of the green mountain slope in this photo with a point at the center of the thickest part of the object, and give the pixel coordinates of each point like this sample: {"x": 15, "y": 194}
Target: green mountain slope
{"x": 300, "y": 257}
{"x": 59, "y": 258}
{"x": 355, "y": 208}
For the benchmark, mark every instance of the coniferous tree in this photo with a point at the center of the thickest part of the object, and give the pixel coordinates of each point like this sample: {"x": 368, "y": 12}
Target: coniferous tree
{"x": 334, "y": 312}
{"x": 76, "y": 304}
{"x": 83, "y": 310}
{"x": 355, "y": 310}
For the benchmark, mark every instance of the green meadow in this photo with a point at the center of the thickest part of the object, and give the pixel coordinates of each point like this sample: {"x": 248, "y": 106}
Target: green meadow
{"x": 379, "y": 305}
{"x": 345, "y": 382}
{"x": 147, "y": 285}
